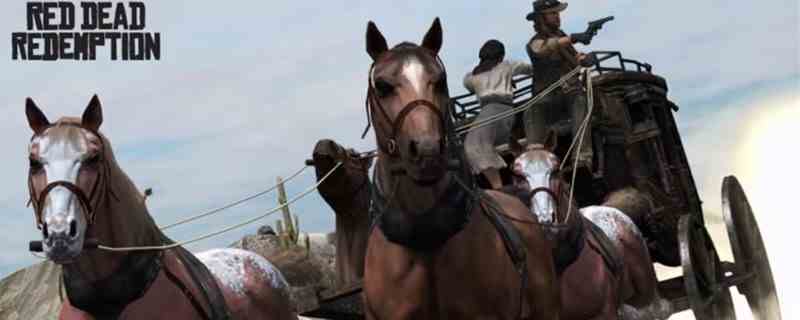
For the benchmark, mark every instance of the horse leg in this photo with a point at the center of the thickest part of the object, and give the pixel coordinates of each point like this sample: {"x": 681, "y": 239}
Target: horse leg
{"x": 644, "y": 301}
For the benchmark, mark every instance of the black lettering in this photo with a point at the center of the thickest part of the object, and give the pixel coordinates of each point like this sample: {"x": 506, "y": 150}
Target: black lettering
{"x": 64, "y": 46}
{"x": 67, "y": 15}
{"x": 120, "y": 18}
{"x": 81, "y": 46}
{"x": 137, "y": 46}
{"x": 103, "y": 15}
{"x": 125, "y": 47}
{"x": 50, "y": 46}
{"x": 33, "y": 45}
{"x": 89, "y": 15}
{"x": 96, "y": 39}
{"x": 34, "y": 15}
{"x": 152, "y": 45}
{"x": 137, "y": 15}
{"x": 50, "y": 15}
{"x": 18, "y": 40}
{"x": 113, "y": 37}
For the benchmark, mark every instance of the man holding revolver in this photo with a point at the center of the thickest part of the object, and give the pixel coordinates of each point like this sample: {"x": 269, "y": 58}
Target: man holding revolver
{"x": 552, "y": 56}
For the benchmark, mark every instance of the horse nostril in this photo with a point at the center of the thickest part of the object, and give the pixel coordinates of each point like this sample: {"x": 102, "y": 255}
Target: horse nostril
{"x": 73, "y": 229}
{"x": 413, "y": 149}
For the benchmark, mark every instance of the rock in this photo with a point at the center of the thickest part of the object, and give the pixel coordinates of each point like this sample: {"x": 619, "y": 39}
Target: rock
{"x": 31, "y": 293}
{"x": 266, "y": 230}
{"x": 264, "y": 245}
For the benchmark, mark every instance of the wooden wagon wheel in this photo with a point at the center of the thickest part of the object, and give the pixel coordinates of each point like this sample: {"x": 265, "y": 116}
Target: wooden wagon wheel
{"x": 752, "y": 263}
{"x": 703, "y": 275}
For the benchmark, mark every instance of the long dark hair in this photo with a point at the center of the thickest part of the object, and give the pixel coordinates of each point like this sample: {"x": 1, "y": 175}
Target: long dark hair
{"x": 491, "y": 54}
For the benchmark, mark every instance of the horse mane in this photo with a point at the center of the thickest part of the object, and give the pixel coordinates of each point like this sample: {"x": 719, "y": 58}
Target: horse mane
{"x": 131, "y": 202}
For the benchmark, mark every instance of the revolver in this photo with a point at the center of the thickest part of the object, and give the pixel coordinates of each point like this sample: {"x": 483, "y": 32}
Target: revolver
{"x": 597, "y": 25}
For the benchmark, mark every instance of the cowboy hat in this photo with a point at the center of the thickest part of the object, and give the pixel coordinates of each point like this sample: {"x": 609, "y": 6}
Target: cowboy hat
{"x": 546, "y": 6}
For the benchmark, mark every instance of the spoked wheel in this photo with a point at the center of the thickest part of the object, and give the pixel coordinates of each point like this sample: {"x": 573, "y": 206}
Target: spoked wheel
{"x": 703, "y": 274}
{"x": 752, "y": 263}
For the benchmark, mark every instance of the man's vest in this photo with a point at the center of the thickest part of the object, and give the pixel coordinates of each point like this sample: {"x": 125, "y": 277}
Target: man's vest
{"x": 548, "y": 69}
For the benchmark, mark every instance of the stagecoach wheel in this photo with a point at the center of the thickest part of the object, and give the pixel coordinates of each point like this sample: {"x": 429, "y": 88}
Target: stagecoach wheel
{"x": 702, "y": 272}
{"x": 749, "y": 252}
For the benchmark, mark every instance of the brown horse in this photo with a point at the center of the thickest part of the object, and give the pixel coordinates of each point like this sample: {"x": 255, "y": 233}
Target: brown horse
{"x": 437, "y": 250}
{"x": 604, "y": 265}
{"x": 347, "y": 193}
{"x": 81, "y": 197}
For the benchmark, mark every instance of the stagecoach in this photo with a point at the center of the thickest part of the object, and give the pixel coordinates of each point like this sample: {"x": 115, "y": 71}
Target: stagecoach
{"x": 637, "y": 144}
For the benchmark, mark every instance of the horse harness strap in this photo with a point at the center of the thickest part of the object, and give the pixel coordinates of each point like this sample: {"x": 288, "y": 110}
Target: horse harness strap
{"x": 454, "y": 207}
{"x": 390, "y": 147}
{"x": 107, "y": 298}
{"x": 600, "y": 242}
{"x": 207, "y": 284}
{"x": 515, "y": 246}
{"x": 84, "y": 200}
{"x": 187, "y": 292}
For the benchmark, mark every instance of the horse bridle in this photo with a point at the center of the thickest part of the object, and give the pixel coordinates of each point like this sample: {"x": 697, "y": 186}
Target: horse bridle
{"x": 553, "y": 190}
{"x": 84, "y": 200}
{"x": 390, "y": 147}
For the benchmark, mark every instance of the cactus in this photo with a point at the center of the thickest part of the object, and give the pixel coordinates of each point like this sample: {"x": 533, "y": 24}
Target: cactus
{"x": 289, "y": 236}
{"x": 308, "y": 245}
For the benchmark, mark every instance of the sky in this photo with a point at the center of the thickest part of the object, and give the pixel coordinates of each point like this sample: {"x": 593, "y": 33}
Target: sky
{"x": 244, "y": 89}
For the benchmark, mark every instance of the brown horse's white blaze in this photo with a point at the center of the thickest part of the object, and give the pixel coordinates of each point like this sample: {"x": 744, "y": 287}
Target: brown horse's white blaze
{"x": 79, "y": 192}
{"x": 637, "y": 286}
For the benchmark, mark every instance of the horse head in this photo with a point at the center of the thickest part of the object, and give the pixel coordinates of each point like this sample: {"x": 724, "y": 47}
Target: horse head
{"x": 68, "y": 178}
{"x": 537, "y": 172}
{"x": 408, "y": 101}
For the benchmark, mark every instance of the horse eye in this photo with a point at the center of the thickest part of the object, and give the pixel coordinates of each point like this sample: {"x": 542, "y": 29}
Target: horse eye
{"x": 383, "y": 88}
{"x": 35, "y": 165}
{"x": 441, "y": 85}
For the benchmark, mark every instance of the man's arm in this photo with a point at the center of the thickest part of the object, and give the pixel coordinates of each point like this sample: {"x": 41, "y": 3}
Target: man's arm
{"x": 546, "y": 47}
{"x": 519, "y": 67}
{"x": 468, "y": 82}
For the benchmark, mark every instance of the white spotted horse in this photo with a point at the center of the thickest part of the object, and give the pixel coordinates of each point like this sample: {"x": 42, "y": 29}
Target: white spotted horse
{"x": 81, "y": 198}
{"x": 605, "y": 270}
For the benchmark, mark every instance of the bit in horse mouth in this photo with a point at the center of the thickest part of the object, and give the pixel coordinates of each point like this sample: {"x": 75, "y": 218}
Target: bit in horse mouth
{"x": 426, "y": 176}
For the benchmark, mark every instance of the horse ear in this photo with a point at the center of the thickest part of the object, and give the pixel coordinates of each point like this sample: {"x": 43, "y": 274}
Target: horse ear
{"x": 551, "y": 142}
{"x": 433, "y": 39}
{"x": 36, "y": 118}
{"x": 93, "y": 115}
{"x": 376, "y": 43}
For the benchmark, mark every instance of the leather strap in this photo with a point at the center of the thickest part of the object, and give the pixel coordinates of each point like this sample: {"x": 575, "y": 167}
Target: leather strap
{"x": 206, "y": 281}
{"x": 107, "y": 298}
{"x": 515, "y": 246}
{"x": 186, "y": 292}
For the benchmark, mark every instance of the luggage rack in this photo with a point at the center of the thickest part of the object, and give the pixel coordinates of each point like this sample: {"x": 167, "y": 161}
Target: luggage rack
{"x": 465, "y": 107}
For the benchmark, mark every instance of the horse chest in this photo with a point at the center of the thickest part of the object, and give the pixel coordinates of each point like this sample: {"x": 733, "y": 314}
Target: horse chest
{"x": 162, "y": 301}
{"x": 452, "y": 284}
